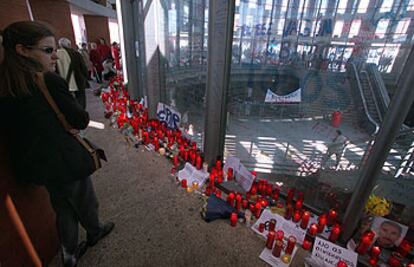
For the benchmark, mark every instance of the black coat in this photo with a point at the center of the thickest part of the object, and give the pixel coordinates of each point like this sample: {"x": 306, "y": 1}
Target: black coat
{"x": 42, "y": 152}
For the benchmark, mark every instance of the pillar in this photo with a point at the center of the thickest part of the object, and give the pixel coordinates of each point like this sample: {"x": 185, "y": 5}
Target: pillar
{"x": 220, "y": 35}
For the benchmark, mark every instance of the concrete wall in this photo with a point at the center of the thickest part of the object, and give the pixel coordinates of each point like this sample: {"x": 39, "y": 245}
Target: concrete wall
{"x": 12, "y": 11}
{"x": 96, "y": 27}
{"x": 57, "y": 14}
{"x": 33, "y": 206}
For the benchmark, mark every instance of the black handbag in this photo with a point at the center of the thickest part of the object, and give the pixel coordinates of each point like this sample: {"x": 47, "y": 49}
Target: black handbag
{"x": 95, "y": 152}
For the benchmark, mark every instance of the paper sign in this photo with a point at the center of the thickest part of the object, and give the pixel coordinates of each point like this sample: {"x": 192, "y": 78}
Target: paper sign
{"x": 330, "y": 253}
{"x": 242, "y": 175}
{"x": 288, "y": 227}
{"x": 267, "y": 256}
{"x": 191, "y": 174}
{"x": 168, "y": 115}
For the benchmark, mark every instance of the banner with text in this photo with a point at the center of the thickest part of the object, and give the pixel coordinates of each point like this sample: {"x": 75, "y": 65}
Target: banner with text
{"x": 294, "y": 97}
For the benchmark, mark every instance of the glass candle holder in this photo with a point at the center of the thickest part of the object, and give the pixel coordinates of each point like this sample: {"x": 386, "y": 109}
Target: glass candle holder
{"x": 184, "y": 183}
{"x": 270, "y": 239}
{"x": 395, "y": 260}
{"x": 322, "y": 223}
{"x": 277, "y": 249}
{"x": 290, "y": 245}
{"x": 305, "y": 220}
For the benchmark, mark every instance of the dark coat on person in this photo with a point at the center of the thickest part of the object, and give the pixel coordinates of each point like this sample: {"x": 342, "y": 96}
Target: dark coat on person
{"x": 79, "y": 68}
{"x": 41, "y": 150}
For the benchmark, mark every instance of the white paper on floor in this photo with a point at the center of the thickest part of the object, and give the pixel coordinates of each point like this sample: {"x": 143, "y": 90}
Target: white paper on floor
{"x": 191, "y": 174}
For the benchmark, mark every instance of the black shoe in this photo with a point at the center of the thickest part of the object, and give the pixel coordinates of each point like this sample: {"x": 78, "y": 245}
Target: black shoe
{"x": 106, "y": 229}
{"x": 72, "y": 261}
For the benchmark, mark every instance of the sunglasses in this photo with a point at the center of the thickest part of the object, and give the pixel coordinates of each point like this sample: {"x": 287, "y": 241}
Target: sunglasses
{"x": 47, "y": 49}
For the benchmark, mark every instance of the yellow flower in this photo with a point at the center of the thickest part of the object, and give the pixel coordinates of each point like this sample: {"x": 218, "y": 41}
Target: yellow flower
{"x": 377, "y": 206}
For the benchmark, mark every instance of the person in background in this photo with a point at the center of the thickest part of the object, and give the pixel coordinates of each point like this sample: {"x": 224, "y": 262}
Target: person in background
{"x": 115, "y": 55}
{"x": 85, "y": 54}
{"x": 73, "y": 69}
{"x": 42, "y": 152}
{"x": 335, "y": 148}
{"x": 109, "y": 70}
{"x": 104, "y": 49}
{"x": 96, "y": 60}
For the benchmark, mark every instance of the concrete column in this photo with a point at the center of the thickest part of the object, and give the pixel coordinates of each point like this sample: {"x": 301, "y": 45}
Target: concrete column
{"x": 132, "y": 52}
{"x": 97, "y": 27}
{"x": 397, "y": 112}
{"x": 8, "y": 15}
{"x": 220, "y": 35}
{"x": 57, "y": 14}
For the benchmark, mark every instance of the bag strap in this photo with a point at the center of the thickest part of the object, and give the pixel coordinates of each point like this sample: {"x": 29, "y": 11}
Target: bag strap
{"x": 43, "y": 88}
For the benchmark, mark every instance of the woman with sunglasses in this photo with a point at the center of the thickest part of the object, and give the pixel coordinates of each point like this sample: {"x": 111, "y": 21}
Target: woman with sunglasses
{"x": 41, "y": 150}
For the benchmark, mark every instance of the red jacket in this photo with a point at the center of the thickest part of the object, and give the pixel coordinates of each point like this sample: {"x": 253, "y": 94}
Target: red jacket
{"x": 96, "y": 59}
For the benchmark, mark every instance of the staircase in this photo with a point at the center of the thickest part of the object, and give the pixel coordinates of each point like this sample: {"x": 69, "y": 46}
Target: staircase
{"x": 370, "y": 97}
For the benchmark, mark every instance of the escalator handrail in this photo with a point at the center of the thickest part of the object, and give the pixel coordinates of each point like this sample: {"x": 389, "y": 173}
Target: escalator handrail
{"x": 354, "y": 73}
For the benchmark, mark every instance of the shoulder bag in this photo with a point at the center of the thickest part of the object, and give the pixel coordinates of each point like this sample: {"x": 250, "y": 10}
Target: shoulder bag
{"x": 96, "y": 153}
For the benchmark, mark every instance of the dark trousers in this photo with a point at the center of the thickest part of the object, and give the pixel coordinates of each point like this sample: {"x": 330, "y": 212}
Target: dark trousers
{"x": 74, "y": 203}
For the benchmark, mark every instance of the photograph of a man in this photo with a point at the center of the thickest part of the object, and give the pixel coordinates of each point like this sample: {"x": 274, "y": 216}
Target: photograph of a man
{"x": 389, "y": 234}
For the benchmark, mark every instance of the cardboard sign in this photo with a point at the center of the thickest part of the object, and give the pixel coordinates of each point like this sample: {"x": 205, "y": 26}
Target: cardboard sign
{"x": 330, "y": 253}
{"x": 168, "y": 115}
{"x": 242, "y": 175}
{"x": 288, "y": 227}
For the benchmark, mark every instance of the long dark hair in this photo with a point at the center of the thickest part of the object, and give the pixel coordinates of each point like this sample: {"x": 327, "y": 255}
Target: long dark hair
{"x": 17, "y": 71}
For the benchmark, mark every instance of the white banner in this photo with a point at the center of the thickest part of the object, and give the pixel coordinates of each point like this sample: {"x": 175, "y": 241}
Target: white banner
{"x": 169, "y": 115}
{"x": 294, "y": 97}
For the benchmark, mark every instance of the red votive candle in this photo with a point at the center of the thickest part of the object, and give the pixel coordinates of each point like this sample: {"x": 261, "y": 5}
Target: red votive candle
{"x": 279, "y": 235}
{"x": 296, "y": 216}
{"x": 218, "y": 165}
{"x": 313, "y": 229}
{"x": 257, "y": 210}
{"x": 238, "y": 201}
{"x": 335, "y": 231}
{"x": 290, "y": 195}
{"x": 373, "y": 262}
{"x": 198, "y": 163}
{"x": 261, "y": 227}
{"x": 277, "y": 250}
{"x": 404, "y": 248}
{"x": 217, "y": 192}
{"x": 272, "y": 224}
{"x": 306, "y": 245}
{"x": 298, "y": 205}
{"x": 245, "y": 203}
{"x": 175, "y": 159}
{"x": 156, "y": 144}
{"x": 233, "y": 219}
{"x": 305, "y": 220}
{"x": 230, "y": 199}
{"x": 332, "y": 217}
{"x": 270, "y": 239}
{"x": 184, "y": 183}
{"x": 290, "y": 245}
{"x": 230, "y": 174}
{"x": 341, "y": 264}
{"x": 251, "y": 207}
{"x": 375, "y": 251}
{"x": 269, "y": 189}
{"x": 275, "y": 195}
{"x": 364, "y": 245}
{"x": 288, "y": 212}
{"x": 321, "y": 223}
{"x": 253, "y": 190}
{"x": 208, "y": 191}
{"x": 395, "y": 260}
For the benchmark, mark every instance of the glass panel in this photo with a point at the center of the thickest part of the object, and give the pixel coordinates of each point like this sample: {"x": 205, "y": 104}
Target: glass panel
{"x": 356, "y": 24}
{"x": 381, "y": 28}
{"x": 363, "y": 6}
{"x": 186, "y": 69}
{"x": 386, "y": 5}
{"x": 342, "y": 6}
